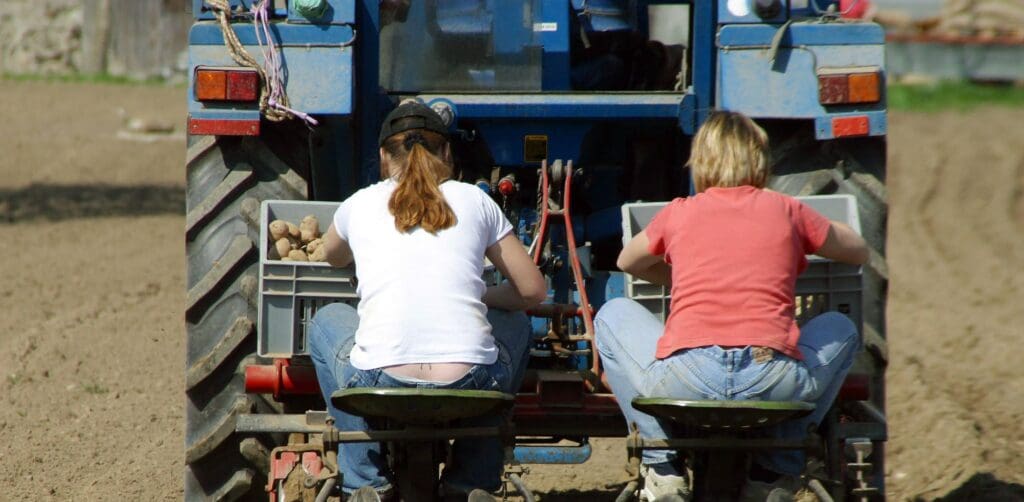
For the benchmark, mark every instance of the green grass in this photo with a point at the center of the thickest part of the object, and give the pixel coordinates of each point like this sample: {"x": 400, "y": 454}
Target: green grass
{"x": 953, "y": 96}
{"x": 101, "y": 78}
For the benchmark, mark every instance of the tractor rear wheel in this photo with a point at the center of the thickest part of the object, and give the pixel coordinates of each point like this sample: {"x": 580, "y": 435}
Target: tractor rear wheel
{"x": 804, "y": 166}
{"x": 228, "y": 177}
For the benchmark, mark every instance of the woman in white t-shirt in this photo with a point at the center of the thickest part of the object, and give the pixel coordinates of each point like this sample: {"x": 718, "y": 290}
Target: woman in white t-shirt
{"x": 425, "y": 317}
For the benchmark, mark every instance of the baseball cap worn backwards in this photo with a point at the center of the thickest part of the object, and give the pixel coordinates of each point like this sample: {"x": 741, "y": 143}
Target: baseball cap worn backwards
{"x": 411, "y": 115}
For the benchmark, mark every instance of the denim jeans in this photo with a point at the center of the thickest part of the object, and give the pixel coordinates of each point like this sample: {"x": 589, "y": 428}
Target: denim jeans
{"x": 627, "y": 335}
{"x": 477, "y": 462}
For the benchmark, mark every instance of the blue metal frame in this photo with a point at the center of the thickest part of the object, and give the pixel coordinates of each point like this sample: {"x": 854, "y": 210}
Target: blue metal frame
{"x": 319, "y": 80}
{"x": 370, "y": 101}
{"x": 719, "y": 41}
{"x": 286, "y": 35}
{"x": 552, "y": 454}
{"x": 542, "y": 106}
{"x": 551, "y": 29}
{"x": 703, "y": 29}
{"x": 783, "y": 83}
{"x": 809, "y": 33}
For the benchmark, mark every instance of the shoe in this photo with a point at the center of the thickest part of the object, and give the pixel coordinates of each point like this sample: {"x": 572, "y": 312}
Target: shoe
{"x": 783, "y": 489}
{"x": 364, "y": 494}
{"x": 479, "y": 495}
{"x": 451, "y": 493}
{"x": 663, "y": 483}
{"x": 369, "y": 494}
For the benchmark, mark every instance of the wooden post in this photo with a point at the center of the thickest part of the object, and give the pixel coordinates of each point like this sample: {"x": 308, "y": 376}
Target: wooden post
{"x": 95, "y": 36}
{"x": 134, "y": 38}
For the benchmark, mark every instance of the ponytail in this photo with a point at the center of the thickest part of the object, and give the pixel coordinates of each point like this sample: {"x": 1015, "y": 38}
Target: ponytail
{"x": 417, "y": 200}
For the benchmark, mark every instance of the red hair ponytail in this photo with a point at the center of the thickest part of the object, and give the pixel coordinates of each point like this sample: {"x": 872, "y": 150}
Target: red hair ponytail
{"x": 418, "y": 201}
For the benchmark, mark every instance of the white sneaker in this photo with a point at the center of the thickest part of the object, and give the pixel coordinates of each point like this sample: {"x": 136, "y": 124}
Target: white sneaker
{"x": 662, "y": 482}
{"x": 782, "y": 490}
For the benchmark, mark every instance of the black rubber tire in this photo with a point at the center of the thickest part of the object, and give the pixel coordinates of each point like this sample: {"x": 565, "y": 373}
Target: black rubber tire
{"x": 804, "y": 166}
{"x": 227, "y": 177}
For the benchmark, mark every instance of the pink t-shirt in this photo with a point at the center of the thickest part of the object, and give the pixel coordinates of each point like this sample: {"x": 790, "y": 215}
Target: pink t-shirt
{"x": 735, "y": 256}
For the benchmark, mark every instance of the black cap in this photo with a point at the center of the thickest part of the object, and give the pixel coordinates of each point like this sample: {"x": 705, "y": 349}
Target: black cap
{"x": 411, "y": 115}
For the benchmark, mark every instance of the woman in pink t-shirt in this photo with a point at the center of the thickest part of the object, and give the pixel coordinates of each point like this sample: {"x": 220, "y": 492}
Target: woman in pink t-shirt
{"x": 731, "y": 255}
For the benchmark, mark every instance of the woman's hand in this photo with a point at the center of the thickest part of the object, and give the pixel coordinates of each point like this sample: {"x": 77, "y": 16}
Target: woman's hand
{"x": 339, "y": 254}
{"x": 525, "y": 287}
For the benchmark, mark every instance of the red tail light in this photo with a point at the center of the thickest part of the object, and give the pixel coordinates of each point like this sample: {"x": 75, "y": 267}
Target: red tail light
{"x": 841, "y": 86}
{"x": 227, "y": 84}
{"x": 855, "y": 388}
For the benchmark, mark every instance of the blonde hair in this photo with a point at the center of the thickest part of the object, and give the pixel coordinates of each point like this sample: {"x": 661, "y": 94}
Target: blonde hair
{"x": 729, "y": 150}
{"x": 417, "y": 200}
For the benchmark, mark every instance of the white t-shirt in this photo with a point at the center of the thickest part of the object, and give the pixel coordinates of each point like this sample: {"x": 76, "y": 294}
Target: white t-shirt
{"x": 420, "y": 293}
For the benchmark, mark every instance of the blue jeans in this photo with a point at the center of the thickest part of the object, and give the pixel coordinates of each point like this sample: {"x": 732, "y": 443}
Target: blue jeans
{"x": 478, "y": 463}
{"x": 627, "y": 335}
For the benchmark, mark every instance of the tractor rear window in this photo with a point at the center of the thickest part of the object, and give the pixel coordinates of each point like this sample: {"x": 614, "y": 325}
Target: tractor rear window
{"x": 459, "y": 45}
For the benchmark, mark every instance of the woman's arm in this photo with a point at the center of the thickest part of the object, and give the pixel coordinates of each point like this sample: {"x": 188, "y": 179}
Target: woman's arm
{"x": 845, "y": 245}
{"x": 525, "y": 287}
{"x": 339, "y": 254}
{"x": 637, "y": 260}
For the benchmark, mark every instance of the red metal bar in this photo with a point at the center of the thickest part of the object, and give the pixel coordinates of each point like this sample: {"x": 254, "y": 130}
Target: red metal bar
{"x": 280, "y": 467}
{"x": 577, "y": 272}
{"x": 280, "y": 378}
{"x": 585, "y": 310}
{"x": 529, "y": 405}
{"x": 218, "y": 127}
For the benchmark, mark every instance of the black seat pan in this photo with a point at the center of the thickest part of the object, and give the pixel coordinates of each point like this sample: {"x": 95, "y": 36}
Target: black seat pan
{"x": 723, "y": 415}
{"x": 416, "y": 406}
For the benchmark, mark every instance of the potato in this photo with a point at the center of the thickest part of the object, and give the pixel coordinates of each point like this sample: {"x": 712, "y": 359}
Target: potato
{"x": 278, "y": 229}
{"x": 298, "y": 255}
{"x": 283, "y": 246}
{"x": 293, "y": 231}
{"x": 309, "y": 228}
{"x": 318, "y": 254}
{"x": 313, "y": 245}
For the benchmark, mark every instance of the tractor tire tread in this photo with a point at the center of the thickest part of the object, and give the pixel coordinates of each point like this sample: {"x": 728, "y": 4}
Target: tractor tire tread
{"x": 228, "y": 177}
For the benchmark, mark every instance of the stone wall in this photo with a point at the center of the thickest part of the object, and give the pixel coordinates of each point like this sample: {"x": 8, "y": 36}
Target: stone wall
{"x": 40, "y": 36}
{"x": 132, "y": 38}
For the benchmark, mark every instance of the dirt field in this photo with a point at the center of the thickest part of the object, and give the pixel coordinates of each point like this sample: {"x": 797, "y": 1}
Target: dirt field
{"x": 93, "y": 288}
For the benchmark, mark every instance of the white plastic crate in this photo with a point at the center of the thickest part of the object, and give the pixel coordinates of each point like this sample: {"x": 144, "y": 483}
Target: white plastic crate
{"x": 824, "y": 286}
{"x": 291, "y": 292}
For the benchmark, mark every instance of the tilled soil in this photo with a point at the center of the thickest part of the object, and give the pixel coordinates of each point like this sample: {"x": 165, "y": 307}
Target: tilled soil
{"x": 93, "y": 286}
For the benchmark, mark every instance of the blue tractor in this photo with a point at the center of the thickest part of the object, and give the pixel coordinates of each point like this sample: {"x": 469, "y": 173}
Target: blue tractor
{"x": 567, "y": 112}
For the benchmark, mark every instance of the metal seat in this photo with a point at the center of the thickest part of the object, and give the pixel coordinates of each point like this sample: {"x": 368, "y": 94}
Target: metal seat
{"x": 420, "y": 406}
{"x": 723, "y": 416}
